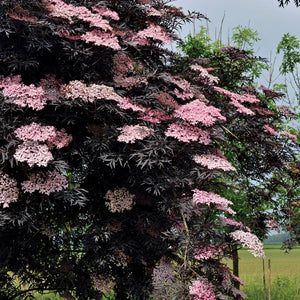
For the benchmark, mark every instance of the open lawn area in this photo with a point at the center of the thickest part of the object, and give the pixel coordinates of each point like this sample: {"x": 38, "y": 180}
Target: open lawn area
{"x": 285, "y": 273}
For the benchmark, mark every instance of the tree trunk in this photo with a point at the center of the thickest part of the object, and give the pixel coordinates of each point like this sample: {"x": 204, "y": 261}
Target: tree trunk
{"x": 235, "y": 265}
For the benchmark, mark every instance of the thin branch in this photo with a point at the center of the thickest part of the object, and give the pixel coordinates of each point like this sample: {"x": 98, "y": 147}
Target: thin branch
{"x": 188, "y": 238}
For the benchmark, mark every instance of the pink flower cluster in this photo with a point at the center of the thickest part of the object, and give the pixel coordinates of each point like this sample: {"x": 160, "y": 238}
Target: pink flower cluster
{"x": 249, "y": 240}
{"x": 207, "y": 252}
{"x": 35, "y": 132}
{"x": 119, "y": 200}
{"x": 285, "y": 111}
{"x": 37, "y": 141}
{"x": 209, "y": 198}
{"x": 154, "y": 116}
{"x": 102, "y": 283}
{"x": 241, "y": 108}
{"x": 202, "y": 290}
{"x": 9, "y": 191}
{"x": 183, "y": 95}
{"x": 126, "y": 103}
{"x": 187, "y": 133}
{"x": 153, "y": 12}
{"x": 131, "y": 133}
{"x": 34, "y": 154}
{"x": 45, "y": 134}
{"x": 163, "y": 274}
{"x": 23, "y": 95}
{"x": 100, "y": 38}
{"x": 185, "y": 87}
{"x": 166, "y": 100}
{"x": 231, "y": 222}
{"x": 208, "y": 78}
{"x": 293, "y": 137}
{"x": 155, "y": 32}
{"x": 262, "y": 112}
{"x": 237, "y": 99}
{"x": 233, "y": 96}
{"x": 131, "y": 81}
{"x": 60, "y": 140}
{"x": 270, "y": 130}
{"x": 122, "y": 64}
{"x": 272, "y": 223}
{"x": 106, "y": 12}
{"x": 77, "y": 89}
{"x": 214, "y": 162}
{"x": 198, "y": 112}
{"x": 51, "y": 87}
{"x": 45, "y": 183}
{"x": 60, "y": 9}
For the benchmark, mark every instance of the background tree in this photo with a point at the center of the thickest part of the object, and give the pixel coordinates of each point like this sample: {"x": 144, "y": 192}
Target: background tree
{"x": 258, "y": 194}
{"x": 282, "y": 3}
{"x": 111, "y": 155}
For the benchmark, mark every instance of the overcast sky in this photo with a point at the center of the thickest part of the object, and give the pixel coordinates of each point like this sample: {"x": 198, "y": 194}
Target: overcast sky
{"x": 264, "y": 16}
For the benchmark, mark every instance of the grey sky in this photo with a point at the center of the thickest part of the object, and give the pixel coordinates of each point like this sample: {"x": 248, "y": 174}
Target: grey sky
{"x": 264, "y": 16}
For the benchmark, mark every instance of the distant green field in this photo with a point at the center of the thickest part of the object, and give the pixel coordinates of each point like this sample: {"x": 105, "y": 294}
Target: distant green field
{"x": 285, "y": 273}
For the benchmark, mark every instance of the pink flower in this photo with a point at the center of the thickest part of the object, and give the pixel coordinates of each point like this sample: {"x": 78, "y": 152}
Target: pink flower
{"x": 233, "y": 96}
{"x": 188, "y": 133}
{"x": 249, "y": 240}
{"x": 101, "y": 283}
{"x": 45, "y": 183}
{"x": 33, "y": 153}
{"x": 290, "y": 136}
{"x": 77, "y": 89}
{"x": 208, "y": 78}
{"x": 60, "y": 140}
{"x": 122, "y": 64}
{"x": 209, "y": 198}
{"x": 131, "y": 81}
{"x": 270, "y": 130}
{"x": 241, "y": 108}
{"x": 163, "y": 275}
{"x": 155, "y": 32}
{"x": 214, "y": 162}
{"x": 207, "y": 252}
{"x": 166, "y": 100}
{"x": 119, "y": 200}
{"x": 106, "y": 12}
{"x": 35, "y": 132}
{"x": 131, "y": 133}
{"x": 47, "y": 134}
{"x": 126, "y": 103}
{"x": 9, "y": 191}
{"x": 100, "y": 38}
{"x": 154, "y": 116}
{"x": 202, "y": 290}
{"x": 183, "y": 95}
{"x": 23, "y": 95}
{"x": 198, "y": 112}
{"x": 60, "y": 9}
{"x": 231, "y": 222}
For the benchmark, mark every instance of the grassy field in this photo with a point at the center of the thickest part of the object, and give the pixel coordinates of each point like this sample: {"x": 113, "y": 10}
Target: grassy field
{"x": 285, "y": 273}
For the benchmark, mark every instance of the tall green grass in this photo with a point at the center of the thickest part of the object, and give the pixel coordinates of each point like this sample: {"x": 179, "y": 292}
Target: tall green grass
{"x": 285, "y": 273}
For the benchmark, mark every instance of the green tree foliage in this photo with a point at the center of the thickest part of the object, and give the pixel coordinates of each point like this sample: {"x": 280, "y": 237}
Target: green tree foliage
{"x": 240, "y": 64}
